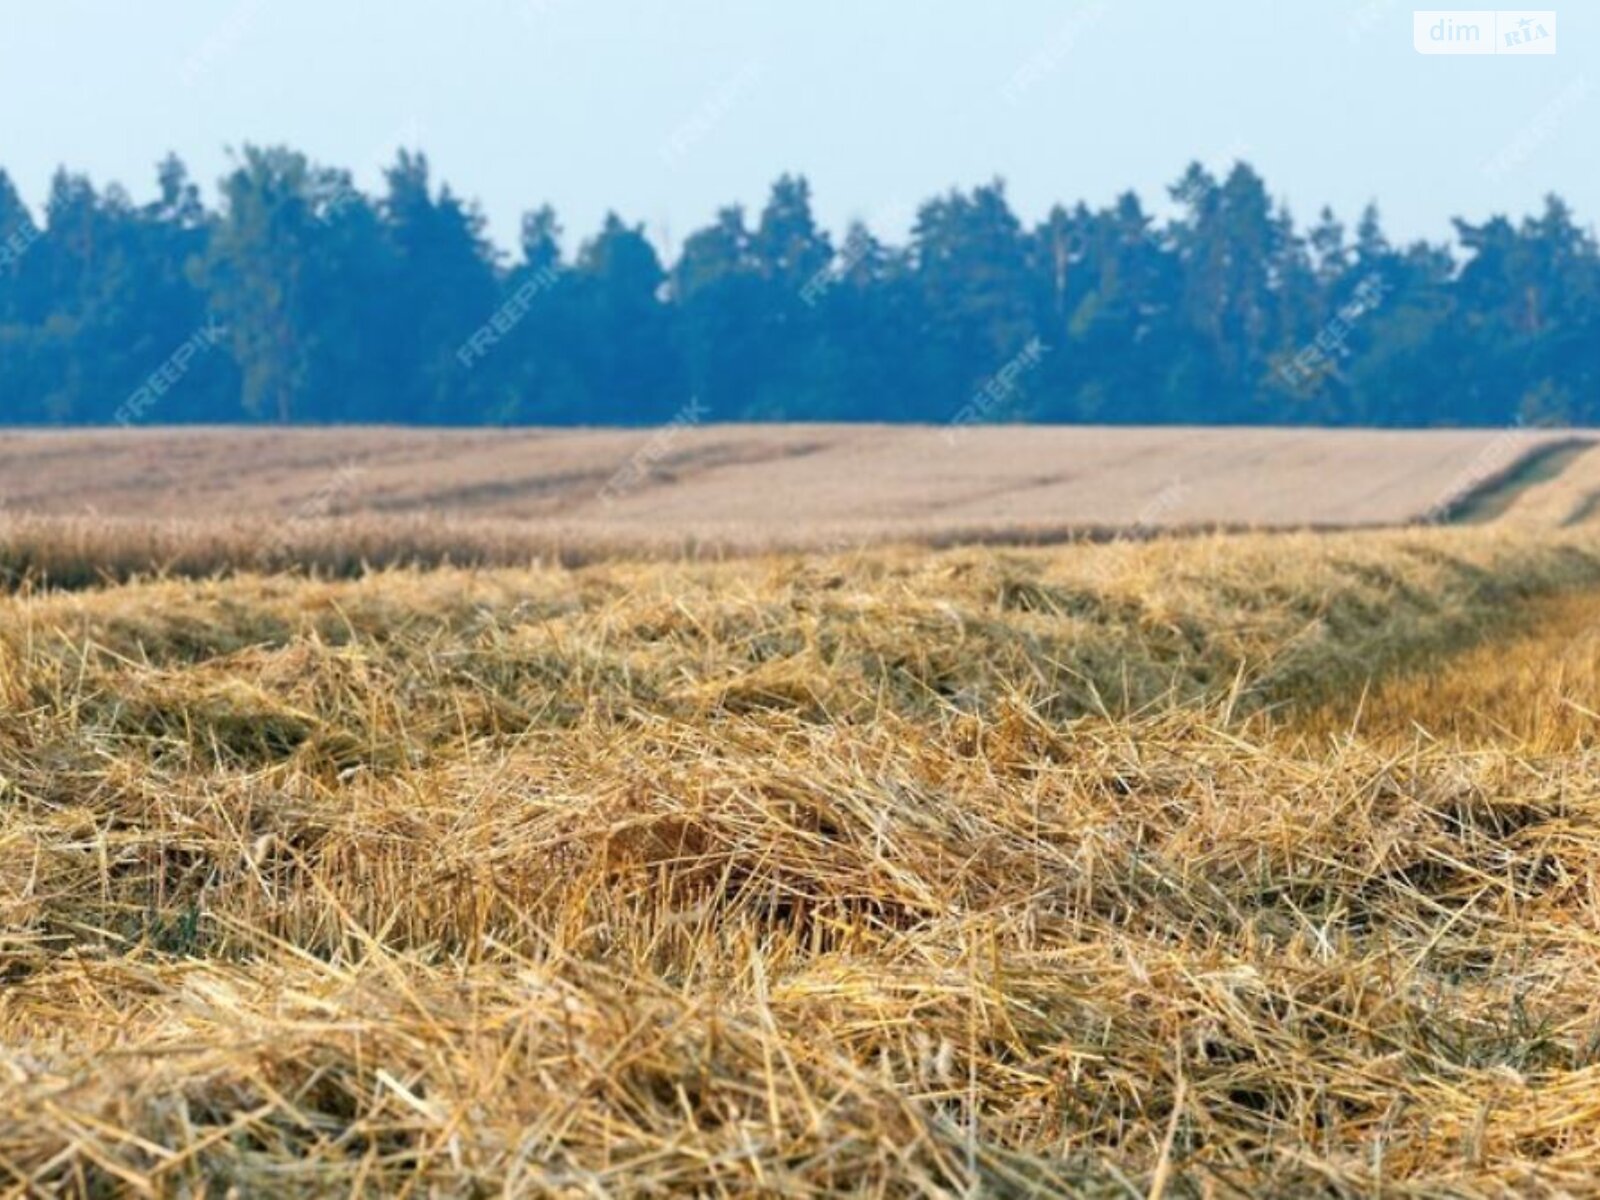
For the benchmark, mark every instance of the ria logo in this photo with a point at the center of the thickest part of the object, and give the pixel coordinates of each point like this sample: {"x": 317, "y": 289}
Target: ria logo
{"x": 1527, "y": 32}
{"x": 1469, "y": 31}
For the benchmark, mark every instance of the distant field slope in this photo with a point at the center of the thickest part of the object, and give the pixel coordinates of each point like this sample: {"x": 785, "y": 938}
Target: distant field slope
{"x": 770, "y": 484}
{"x": 1566, "y": 497}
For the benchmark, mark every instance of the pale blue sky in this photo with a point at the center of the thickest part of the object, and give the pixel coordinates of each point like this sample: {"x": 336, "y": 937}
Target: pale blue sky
{"x": 668, "y": 109}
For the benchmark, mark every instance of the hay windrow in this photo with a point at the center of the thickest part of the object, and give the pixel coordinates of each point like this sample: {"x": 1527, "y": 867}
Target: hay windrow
{"x": 977, "y": 872}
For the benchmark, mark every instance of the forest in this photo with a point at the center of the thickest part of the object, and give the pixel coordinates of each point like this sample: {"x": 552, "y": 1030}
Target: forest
{"x": 295, "y": 297}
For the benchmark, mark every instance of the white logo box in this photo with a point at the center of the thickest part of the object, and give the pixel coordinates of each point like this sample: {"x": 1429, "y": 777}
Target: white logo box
{"x": 1483, "y": 31}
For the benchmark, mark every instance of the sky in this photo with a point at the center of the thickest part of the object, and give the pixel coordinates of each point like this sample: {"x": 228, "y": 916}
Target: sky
{"x": 668, "y": 111}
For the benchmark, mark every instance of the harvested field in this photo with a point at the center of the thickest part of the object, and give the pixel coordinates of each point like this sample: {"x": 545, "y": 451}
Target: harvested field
{"x": 768, "y": 485}
{"x": 90, "y": 507}
{"x": 979, "y": 871}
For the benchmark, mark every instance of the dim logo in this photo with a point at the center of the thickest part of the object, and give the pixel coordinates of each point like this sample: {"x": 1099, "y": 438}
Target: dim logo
{"x": 1447, "y": 30}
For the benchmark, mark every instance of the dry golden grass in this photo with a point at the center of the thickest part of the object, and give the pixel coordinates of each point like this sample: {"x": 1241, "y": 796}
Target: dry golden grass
{"x": 765, "y": 485}
{"x": 1538, "y": 688}
{"x": 971, "y": 872}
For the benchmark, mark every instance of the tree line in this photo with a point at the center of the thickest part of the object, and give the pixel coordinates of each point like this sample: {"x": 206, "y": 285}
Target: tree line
{"x": 299, "y": 298}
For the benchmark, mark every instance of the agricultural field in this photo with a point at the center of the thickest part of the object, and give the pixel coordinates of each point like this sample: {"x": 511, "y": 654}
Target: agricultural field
{"x": 87, "y": 507}
{"x": 772, "y": 486}
{"x": 532, "y": 666}
{"x": 1252, "y": 863}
